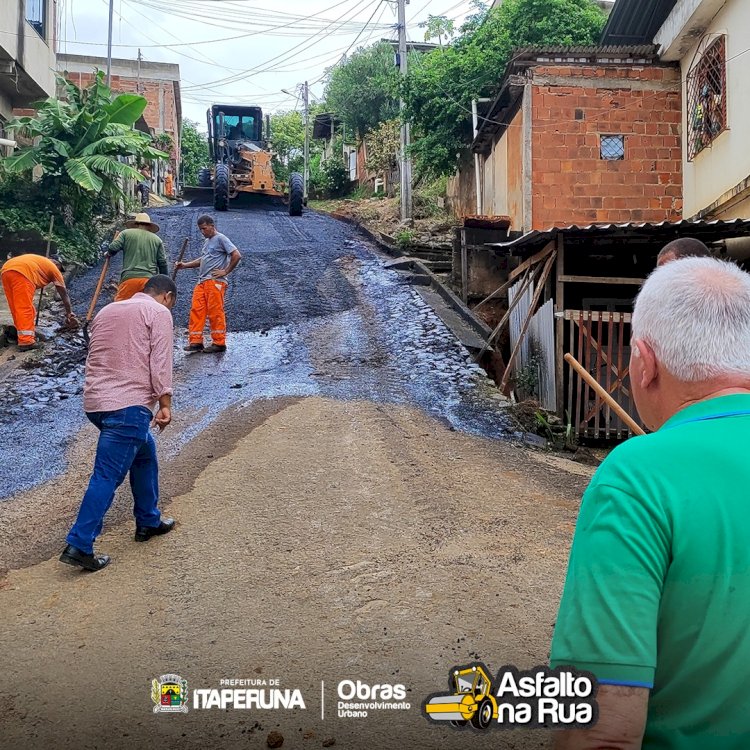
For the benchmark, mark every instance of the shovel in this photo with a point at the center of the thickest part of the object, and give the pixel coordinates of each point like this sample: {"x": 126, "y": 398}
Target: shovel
{"x": 41, "y": 291}
{"x": 180, "y": 256}
{"x": 97, "y": 292}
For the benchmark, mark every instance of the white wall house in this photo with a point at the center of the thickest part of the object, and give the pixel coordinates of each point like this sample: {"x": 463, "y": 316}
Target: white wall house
{"x": 27, "y": 53}
{"x": 711, "y": 39}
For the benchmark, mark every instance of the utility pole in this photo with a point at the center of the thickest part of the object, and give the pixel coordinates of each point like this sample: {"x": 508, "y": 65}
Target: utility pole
{"x": 307, "y": 141}
{"x": 109, "y": 43}
{"x": 138, "y": 84}
{"x": 406, "y": 204}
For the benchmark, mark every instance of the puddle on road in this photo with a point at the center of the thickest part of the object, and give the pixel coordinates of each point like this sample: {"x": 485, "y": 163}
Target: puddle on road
{"x": 390, "y": 348}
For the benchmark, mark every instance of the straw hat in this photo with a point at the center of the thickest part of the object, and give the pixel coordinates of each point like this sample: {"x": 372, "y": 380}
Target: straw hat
{"x": 138, "y": 222}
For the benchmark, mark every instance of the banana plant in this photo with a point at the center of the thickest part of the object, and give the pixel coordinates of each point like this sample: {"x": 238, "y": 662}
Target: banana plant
{"x": 82, "y": 138}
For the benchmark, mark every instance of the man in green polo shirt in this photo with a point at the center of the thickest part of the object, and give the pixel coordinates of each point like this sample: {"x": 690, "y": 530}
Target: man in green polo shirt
{"x": 656, "y": 601}
{"x": 143, "y": 255}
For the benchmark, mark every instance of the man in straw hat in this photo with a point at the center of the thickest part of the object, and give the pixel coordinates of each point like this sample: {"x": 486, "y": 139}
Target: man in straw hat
{"x": 143, "y": 255}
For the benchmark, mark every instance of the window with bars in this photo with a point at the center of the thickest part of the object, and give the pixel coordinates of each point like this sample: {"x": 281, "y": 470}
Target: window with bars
{"x": 707, "y": 97}
{"x": 36, "y": 13}
{"x": 612, "y": 147}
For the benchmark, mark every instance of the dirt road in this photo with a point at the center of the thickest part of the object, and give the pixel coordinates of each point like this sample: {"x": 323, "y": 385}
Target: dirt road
{"x": 337, "y": 519}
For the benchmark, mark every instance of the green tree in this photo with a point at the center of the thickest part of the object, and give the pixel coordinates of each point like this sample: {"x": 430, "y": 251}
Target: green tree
{"x": 287, "y": 143}
{"x": 79, "y": 141}
{"x": 193, "y": 152}
{"x": 363, "y": 91}
{"x": 75, "y": 149}
{"x": 437, "y": 27}
{"x": 383, "y": 145}
{"x": 442, "y": 83}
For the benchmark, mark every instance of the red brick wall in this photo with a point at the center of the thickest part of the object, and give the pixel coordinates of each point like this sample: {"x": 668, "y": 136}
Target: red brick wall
{"x": 149, "y": 89}
{"x": 571, "y": 183}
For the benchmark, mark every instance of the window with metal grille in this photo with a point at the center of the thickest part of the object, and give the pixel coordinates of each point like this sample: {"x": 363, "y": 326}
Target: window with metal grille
{"x": 707, "y": 97}
{"x": 36, "y": 12}
{"x": 612, "y": 147}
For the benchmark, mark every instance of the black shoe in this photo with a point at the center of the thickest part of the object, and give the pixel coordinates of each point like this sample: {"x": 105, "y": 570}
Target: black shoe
{"x": 193, "y": 348}
{"x": 29, "y": 347}
{"x": 73, "y": 556}
{"x": 215, "y": 349}
{"x": 144, "y": 533}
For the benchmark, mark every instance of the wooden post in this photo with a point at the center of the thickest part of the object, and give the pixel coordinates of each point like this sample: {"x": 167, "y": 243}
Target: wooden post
{"x": 560, "y": 326}
{"x": 522, "y": 268}
{"x": 464, "y": 268}
{"x": 530, "y": 275}
{"x": 606, "y": 397}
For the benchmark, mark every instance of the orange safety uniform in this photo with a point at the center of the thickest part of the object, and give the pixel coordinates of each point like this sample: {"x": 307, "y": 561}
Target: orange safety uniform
{"x": 129, "y": 287}
{"x": 208, "y": 302}
{"x": 21, "y": 277}
{"x": 169, "y": 185}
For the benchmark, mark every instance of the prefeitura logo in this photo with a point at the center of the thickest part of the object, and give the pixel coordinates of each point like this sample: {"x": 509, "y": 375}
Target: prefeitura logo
{"x": 169, "y": 694}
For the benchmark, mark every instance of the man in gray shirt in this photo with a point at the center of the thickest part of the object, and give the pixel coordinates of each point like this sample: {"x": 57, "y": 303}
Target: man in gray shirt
{"x": 218, "y": 259}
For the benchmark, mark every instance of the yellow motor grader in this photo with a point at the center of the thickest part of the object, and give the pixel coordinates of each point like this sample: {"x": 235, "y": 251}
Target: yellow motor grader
{"x": 239, "y": 149}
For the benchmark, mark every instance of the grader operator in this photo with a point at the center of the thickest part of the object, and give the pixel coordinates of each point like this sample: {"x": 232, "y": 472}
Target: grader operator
{"x": 240, "y": 151}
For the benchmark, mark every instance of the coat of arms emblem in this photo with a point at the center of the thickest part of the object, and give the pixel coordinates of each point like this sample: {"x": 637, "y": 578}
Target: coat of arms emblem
{"x": 169, "y": 694}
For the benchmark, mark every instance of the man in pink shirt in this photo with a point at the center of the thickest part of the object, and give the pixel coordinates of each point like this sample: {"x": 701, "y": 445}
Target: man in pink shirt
{"x": 128, "y": 374}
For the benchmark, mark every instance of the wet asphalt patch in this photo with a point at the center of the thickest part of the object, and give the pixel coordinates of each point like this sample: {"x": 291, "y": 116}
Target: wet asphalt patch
{"x": 310, "y": 312}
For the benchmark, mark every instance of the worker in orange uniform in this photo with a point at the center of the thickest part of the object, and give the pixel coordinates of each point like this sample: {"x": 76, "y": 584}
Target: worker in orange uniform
{"x": 143, "y": 255}
{"x": 22, "y": 276}
{"x": 169, "y": 184}
{"x": 219, "y": 257}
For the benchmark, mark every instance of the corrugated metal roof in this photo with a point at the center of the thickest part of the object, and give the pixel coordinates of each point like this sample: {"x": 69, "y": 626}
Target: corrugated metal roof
{"x": 706, "y": 230}
{"x": 635, "y": 21}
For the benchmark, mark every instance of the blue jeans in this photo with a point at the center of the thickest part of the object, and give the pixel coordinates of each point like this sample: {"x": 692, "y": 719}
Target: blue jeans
{"x": 125, "y": 445}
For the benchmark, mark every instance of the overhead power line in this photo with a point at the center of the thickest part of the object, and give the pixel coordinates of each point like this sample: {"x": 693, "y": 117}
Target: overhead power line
{"x": 284, "y": 56}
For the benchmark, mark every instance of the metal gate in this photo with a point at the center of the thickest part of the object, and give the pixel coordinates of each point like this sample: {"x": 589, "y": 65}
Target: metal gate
{"x": 600, "y": 341}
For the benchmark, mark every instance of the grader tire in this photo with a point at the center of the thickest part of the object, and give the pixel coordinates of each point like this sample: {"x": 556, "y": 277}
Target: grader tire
{"x": 296, "y": 194}
{"x": 204, "y": 177}
{"x": 221, "y": 187}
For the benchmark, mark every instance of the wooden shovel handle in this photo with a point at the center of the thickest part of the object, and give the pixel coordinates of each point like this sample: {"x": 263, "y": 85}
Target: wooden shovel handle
{"x": 98, "y": 291}
{"x": 180, "y": 256}
{"x": 586, "y": 375}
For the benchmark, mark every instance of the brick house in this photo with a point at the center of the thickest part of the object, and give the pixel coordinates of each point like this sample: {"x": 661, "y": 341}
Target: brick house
{"x": 577, "y": 136}
{"x": 158, "y": 82}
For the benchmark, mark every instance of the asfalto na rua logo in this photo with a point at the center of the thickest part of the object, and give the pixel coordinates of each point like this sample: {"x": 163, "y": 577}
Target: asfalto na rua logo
{"x": 562, "y": 698}
{"x": 169, "y": 694}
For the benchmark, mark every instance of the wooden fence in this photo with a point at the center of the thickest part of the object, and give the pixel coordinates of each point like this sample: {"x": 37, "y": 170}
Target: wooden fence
{"x": 600, "y": 341}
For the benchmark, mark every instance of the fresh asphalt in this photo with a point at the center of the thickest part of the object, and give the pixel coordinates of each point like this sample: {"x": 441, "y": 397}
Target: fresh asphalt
{"x": 310, "y": 312}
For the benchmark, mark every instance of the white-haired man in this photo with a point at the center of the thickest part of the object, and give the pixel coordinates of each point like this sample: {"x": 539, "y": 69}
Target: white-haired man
{"x": 657, "y": 597}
